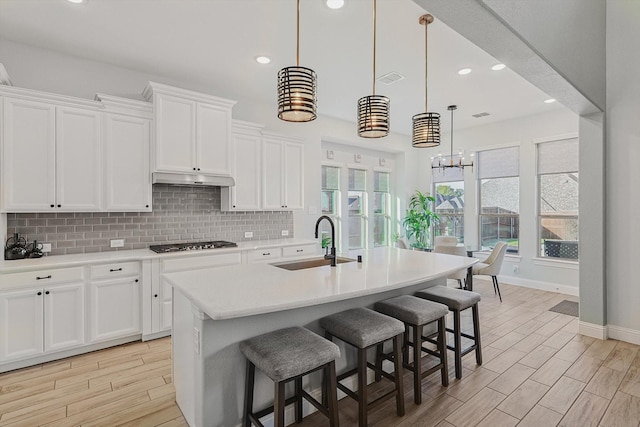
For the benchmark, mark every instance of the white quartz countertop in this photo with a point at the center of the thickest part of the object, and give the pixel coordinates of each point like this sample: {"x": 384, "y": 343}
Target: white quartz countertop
{"x": 60, "y": 261}
{"x": 250, "y": 289}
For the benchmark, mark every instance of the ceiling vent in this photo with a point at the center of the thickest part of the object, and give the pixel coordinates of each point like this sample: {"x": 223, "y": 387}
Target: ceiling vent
{"x": 390, "y": 78}
{"x": 484, "y": 114}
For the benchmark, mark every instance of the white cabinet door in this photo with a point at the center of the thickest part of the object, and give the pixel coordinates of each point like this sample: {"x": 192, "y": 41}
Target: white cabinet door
{"x": 29, "y": 161}
{"x": 63, "y": 316}
{"x": 78, "y": 160}
{"x": 21, "y": 324}
{"x": 272, "y": 174}
{"x": 213, "y": 152}
{"x": 128, "y": 177}
{"x": 175, "y": 140}
{"x": 245, "y": 195}
{"x": 294, "y": 176}
{"x": 115, "y": 308}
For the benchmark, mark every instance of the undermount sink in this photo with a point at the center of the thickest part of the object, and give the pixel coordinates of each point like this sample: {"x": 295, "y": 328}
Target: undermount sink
{"x": 310, "y": 263}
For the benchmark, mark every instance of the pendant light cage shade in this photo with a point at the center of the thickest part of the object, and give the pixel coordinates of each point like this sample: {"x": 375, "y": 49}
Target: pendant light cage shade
{"x": 373, "y": 116}
{"x": 426, "y": 130}
{"x": 297, "y": 100}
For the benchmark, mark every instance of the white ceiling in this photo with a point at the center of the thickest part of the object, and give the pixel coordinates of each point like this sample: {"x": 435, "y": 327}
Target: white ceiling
{"x": 214, "y": 42}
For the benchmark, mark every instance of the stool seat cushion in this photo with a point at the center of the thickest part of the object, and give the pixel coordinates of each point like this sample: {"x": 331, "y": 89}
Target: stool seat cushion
{"x": 289, "y": 352}
{"x": 362, "y": 327}
{"x": 412, "y": 310}
{"x": 455, "y": 299}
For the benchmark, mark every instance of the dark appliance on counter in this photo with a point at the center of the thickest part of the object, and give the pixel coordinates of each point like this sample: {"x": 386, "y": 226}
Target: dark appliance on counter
{"x": 195, "y": 246}
{"x": 34, "y": 250}
{"x": 15, "y": 247}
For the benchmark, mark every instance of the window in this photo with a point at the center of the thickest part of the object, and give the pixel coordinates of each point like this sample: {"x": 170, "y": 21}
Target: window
{"x": 498, "y": 176}
{"x": 449, "y": 194}
{"x": 558, "y": 198}
{"x": 330, "y": 202}
{"x": 357, "y": 208}
{"x": 381, "y": 208}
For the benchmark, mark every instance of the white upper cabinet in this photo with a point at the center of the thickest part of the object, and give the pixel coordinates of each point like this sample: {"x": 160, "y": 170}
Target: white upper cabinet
{"x": 78, "y": 160}
{"x": 127, "y": 139}
{"x": 213, "y": 141}
{"x": 192, "y": 131}
{"x": 246, "y": 152}
{"x": 28, "y": 160}
{"x": 283, "y": 173}
{"x": 51, "y": 157}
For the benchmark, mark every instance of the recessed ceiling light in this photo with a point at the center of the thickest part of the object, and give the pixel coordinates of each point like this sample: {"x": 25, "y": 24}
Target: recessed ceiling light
{"x": 498, "y": 67}
{"x": 549, "y": 101}
{"x": 335, "y": 4}
{"x": 263, "y": 59}
{"x": 464, "y": 71}
{"x": 77, "y": 1}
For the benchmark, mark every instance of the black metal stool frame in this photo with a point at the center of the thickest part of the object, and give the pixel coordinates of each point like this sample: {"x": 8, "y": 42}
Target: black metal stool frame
{"x": 329, "y": 396}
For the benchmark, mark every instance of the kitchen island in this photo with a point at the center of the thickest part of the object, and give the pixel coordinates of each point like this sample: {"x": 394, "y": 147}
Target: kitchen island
{"x": 214, "y": 309}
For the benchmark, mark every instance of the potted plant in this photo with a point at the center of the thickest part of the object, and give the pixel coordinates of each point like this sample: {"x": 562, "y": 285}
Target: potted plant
{"x": 418, "y": 219}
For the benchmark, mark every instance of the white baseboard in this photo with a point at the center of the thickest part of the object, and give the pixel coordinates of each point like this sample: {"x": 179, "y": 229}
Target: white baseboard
{"x": 592, "y": 330}
{"x": 624, "y": 334}
{"x": 536, "y": 284}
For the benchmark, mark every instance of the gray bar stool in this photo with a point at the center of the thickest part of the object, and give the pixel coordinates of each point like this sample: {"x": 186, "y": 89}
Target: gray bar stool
{"x": 288, "y": 355}
{"x": 458, "y": 300}
{"x": 417, "y": 313}
{"x": 363, "y": 329}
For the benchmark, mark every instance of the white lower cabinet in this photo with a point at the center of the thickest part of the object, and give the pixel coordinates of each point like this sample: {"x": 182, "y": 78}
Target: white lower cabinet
{"x": 115, "y": 302}
{"x": 41, "y": 319}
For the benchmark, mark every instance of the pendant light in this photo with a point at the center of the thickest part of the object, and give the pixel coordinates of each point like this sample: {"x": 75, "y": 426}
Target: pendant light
{"x": 373, "y": 110}
{"x": 460, "y": 164}
{"x": 297, "y": 88}
{"x": 426, "y": 126}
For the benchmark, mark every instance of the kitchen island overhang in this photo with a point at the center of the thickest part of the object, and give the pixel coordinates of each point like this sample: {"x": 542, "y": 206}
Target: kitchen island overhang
{"x": 215, "y": 309}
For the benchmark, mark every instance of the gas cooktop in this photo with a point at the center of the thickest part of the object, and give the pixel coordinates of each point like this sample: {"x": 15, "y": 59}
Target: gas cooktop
{"x": 195, "y": 246}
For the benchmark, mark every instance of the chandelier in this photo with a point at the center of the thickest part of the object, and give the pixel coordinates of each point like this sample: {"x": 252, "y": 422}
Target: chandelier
{"x": 438, "y": 163}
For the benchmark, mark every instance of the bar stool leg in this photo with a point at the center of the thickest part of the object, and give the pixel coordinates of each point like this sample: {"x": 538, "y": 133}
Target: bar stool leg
{"x": 397, "y": 366}
{"x": 332, "y": 394}
{"x": 458, "y": 343}
{"x": 405, "y": 346}
{"x": 298, "y": 391}
{"x": 362, "y": 387}
{"x": 442, "y": 349}
{"x": 379, "y": 359}
{"x": 417, "y": 364}
{"x": 476, "y": 333}
{"x": 278, "y": 404}
{"x": 248, "y": 393}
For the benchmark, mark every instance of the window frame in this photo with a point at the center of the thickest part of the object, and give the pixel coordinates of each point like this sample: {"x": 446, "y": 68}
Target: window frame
{"x": 479, "y": 182}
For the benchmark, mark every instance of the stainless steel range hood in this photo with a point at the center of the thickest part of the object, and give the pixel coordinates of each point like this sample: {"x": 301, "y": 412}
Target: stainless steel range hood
{"x": 192, "y": 179}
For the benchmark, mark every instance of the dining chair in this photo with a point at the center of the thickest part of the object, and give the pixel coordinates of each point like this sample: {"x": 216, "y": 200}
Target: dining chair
{"x": 453, "y": 250}
{"x": 491, "y": 266}
{"x": 445, "y": 240}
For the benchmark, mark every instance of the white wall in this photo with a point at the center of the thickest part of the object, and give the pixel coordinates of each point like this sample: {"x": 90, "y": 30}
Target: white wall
{"x": 622, "y": 171}
{"x": 540, "y": 273}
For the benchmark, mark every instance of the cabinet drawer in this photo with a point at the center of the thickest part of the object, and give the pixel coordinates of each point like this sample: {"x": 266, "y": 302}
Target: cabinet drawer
{"x": 41, "y": 277}
{"x": 264, "y": 254}
{"x": 302, "y": 250}
{"x": 195, "y": 262}
{"x": 115, "y": 270}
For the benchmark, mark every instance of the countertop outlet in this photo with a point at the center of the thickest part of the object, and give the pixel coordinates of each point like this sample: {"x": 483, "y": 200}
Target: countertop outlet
{"x": 285, "y": 233}
{"x": 248, "y": 234}
{"x": 116, "y": 243}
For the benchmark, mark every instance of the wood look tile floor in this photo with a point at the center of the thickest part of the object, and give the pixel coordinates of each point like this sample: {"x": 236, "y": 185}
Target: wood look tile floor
{"x": 537, "y": 371}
